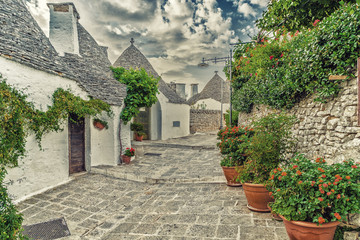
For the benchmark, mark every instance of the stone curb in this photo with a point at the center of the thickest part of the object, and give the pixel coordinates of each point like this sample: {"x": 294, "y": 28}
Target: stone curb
{"x": 136, "y": 178}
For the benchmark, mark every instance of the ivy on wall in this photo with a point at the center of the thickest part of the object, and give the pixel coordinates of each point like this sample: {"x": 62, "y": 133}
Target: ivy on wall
{"x": 19, "y": 117}
{"x": 141, "y": 90}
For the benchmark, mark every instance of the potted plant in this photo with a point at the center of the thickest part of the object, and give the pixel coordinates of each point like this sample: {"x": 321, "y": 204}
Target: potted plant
{"x": 138, "y": 129}
{"x": 267, "y": 150}
{"x": 312, "y": 196}
{"x": 233, "y": 144}
{"x": 100, "y": 124}
{"x": 126, "y": 157}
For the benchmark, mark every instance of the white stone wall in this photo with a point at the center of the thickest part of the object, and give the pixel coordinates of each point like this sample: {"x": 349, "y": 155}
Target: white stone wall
{"x": 105, "y": 143}
{"x": 174, "y": 112}
{"x": 46, "y": 168}
{"x": 211, "y": 104}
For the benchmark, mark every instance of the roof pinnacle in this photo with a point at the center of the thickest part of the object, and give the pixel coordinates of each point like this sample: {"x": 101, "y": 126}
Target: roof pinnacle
{"x": 132, "y": 41}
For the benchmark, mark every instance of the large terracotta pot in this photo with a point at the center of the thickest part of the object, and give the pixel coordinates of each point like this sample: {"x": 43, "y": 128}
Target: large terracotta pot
{"x": 138, "y": 138}
{"x": 126, "y": 159}
{"x": 257, "y": 197}
{"x": 299, "y": 230}
{"x": 231, "y": 175}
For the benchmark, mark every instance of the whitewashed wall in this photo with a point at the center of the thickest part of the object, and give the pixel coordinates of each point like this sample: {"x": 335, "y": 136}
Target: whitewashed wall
{"x": 174, "y": 112}
{"x": 46, "y": 168}
{"x": 105, "y": 144}
{"x": 211, "y": 104}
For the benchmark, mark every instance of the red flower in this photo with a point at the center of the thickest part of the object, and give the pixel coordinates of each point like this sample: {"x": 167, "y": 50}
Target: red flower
{"x": 320, "y": 199}
{"x": 321, "y": 170}
{"x": 338, "y": 196}
{"x": 279, "y": 169}
{"x": 270, "y": 193}
{"x": 300, "y": 182}
{"x": 321, "y": 220}
{"x": 298, "y": 172}
{"x": 315, "y": 23}
{"x": 278, "y": 190}
{"x": 338, "y": 217}
{"x": 325, "y": 185}
{"x": 323, "y": 175}
{"x": 283, "y": 174}
{"x": 348, "y": 177}
{"x": 354, "y": 166}
{"x": 271, "y": 57}
{"x": 282, "y": 54}
{"x": 295, "y": 166}
{"x": 312, "y": 183}
{"x": 328, "y": 193}
{"x": 279, "y": 178}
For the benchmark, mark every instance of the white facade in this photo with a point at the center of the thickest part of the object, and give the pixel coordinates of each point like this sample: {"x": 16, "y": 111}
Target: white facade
{"x": 163, "y": 114}
{"x": 44, "y": 168}
{"x": 211, "y": 104}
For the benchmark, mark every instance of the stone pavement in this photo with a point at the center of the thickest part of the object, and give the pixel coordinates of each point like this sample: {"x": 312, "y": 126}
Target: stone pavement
{"x": 180, "y": 194}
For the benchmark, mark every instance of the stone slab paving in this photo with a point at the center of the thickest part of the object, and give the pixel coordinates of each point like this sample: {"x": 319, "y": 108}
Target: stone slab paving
{"x": 108, "y": 206}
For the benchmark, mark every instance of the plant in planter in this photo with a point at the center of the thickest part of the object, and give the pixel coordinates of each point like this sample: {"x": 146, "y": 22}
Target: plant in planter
{"x": 233, "y": 144}
{"x": 126, "y": 157}
{"x": 138, "y": 129}
{"x": 100, "y": 124}
{"x": 267, "y": 150}
{"x": 312, "y": 196}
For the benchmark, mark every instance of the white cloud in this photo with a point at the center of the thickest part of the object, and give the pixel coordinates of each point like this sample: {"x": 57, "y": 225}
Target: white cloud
{"x": 261, "y": 3}
{"x": 247, "y": 10}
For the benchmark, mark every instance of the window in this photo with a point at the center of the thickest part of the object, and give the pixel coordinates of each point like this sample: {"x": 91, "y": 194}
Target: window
{"x": 180, "y": 90}
{"x": 176, "y": 123}
{"x": 194, "y": 89}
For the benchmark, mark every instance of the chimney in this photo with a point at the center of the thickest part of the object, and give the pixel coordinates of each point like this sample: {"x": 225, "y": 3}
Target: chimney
{"x": 63, "y": 28}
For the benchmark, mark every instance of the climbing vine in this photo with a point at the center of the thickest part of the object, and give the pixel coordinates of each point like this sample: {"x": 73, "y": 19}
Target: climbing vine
{"x": 141, "y": 90}
{"x": 19, "y": 117}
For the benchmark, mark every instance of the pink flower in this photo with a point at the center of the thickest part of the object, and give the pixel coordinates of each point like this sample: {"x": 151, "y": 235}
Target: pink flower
{"x": 315, "y": 23}
{"x": 271, "y": 57}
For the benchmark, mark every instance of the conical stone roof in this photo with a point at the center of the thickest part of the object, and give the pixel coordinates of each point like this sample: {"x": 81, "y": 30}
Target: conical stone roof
{"x": 23, "y": 41}
{"x": 133, "y": 58}
{"x": 213, "y": 90}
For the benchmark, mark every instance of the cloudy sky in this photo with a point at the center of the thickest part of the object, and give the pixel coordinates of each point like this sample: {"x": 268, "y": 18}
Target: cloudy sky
{"x": 173, "y": 34}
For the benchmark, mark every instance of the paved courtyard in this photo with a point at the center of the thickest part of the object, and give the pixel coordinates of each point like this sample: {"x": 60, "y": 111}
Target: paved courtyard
{"x": 173, "y": 190}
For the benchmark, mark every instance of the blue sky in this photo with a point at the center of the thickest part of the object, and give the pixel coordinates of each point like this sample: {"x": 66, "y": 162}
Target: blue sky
{"x": 173, "y": 34}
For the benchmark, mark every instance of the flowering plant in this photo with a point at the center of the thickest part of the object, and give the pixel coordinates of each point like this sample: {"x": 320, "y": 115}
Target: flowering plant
{"x": 129, "y": 152}
{"x": 268, "y": 148}
{"x": 233, "y": 144}
{"x": 314, "y": 191}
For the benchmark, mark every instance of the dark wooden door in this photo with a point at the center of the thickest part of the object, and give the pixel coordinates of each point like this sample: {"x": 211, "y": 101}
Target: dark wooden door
{"x": 76, "y": 144}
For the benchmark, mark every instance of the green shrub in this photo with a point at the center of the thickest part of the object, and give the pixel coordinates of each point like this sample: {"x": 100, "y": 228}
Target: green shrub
{"x": 234, "y": 116}
{"x": 10, "y": 219}
{"x": 282, "y": 71}
{"x": 233, "y": 145}
{"x": 268, "y": 147}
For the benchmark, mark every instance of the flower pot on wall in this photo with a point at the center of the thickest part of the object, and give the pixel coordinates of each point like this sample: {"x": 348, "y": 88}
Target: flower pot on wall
{"x": 139, "y": 138}
{"x": 98, "y": 125}
{"x": 299, "y": 230}
{"x": 231, "y": 175}
{"x": 257, "y": 197}
{"x": 126, "y": 159}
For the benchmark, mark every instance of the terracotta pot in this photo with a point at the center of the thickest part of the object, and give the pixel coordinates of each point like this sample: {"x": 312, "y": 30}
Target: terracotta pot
{"x": 257, "y": 197}
{"x": 231, "y": 175}
{"x": 126, "y": 159}
{"x": 138, "y": 138}
{"x": 98, "y": 125}
{"x": 299, "y": 230}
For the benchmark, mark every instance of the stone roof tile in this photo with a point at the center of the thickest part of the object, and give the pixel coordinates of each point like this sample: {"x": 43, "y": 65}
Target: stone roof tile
{"x": 23, "y": 41}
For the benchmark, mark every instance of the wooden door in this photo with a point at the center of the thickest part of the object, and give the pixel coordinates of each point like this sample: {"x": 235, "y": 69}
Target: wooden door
{"x": 76, "y": 144}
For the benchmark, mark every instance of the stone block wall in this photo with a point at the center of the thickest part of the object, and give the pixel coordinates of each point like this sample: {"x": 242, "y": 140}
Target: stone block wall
{"x": 205, "y": 120}
{"x": 328, "y": 130}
